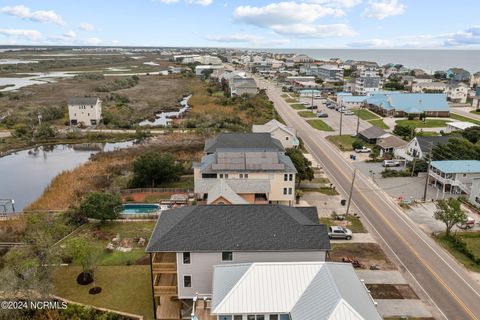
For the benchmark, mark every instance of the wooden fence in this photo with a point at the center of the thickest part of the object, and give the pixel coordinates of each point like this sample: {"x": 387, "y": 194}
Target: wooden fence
{"x": 146, "y": 190}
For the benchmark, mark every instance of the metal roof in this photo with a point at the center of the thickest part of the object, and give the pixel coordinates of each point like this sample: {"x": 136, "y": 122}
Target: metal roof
{"x": 457, "y": 166}
{"x": 212, "y": 228}
{"x": 305, "y": 290}
{"x": 410, "y": 102}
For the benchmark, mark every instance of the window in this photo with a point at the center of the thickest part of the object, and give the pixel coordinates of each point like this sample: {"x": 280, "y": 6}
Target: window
{"x": 274, "y": 317}
{"x": 285, "y": 177}
{"x": 243, "y": 175}
{"x": 223, "y": 175}
{"x": 285, "y": 190}
{"x": 286, "y": 138}
{"x": 284, "y": 317}
{"x": 251, "y": 317}
{"x": 289, "y": 190}
{"x": 260, "y": 317}
{"x": 186, "y": 258}
{"x": 187, "y": 281}
{"x": 225, "y": 317}
{"x": 227, "y": 256}
{"x": 290, "y": 177}
{"x": 237, "y": 317}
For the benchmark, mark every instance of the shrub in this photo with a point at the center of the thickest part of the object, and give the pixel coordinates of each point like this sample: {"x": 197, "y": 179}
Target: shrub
{"x": 357, "y": 144}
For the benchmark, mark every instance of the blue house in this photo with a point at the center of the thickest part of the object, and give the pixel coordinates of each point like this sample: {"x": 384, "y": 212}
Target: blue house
{"x": 398, "y": 104}
{"x": 458, "y": 74}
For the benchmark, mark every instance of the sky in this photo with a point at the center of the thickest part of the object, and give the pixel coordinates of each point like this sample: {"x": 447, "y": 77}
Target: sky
{"x": 243, "y": 23}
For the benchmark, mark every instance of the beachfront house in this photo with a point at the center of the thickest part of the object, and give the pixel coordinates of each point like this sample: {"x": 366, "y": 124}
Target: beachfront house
{"x": 86, "y": 111}
{"x": 397, "y": 104}
{"x": 309, "y": 290}
{"x": 242, "y": 86}
{"x": 286, "y": 135}
{"x": 458, "y": 126}
{"x": 454, "y": 176}
{"x": 240, "y": 168}
{"x": 188, "y": 243}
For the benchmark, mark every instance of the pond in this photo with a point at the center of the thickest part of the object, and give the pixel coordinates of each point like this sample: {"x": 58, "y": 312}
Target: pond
{"x": 25, "y": 174}
{"x": 164, "y": 118}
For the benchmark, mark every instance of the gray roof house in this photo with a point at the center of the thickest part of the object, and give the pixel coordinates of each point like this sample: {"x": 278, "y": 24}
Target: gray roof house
{"x": 420, "y": 146}
{"x": 372, "y": 134}
{"x": 294, "y": 291}
{"x": 188, "y": 243}
{"x": 245, "y": 141}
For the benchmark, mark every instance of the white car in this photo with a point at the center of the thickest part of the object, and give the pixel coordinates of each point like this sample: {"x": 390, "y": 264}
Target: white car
{"x": 391, "y": 163}
{"x": 363, "y": 150}
{"x": 348, "y": 113}
{"x": 335, "y": 232}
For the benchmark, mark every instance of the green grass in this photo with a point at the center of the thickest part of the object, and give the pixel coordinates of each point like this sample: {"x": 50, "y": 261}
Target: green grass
{"x": 325, "y": 190}
{"x": 319, "y": 125}
{"x": 343, "y": 142}
{"x": 185, "y": 182}
{"x": 297, "y": 106}
{"x": 462, "y": 118}
{"x": 365, "y": 114}
{"x": 429, "y": 123}
{"x": 307, "y": 114}
{"x": 126, "y": 288}
{"x": 356, "y": 225}
{"x": 427, "y": 134}
{"x": 475, "y": 112}
{"x": 290, "y": 100}
{"x": 100, "y": 235}
{"x": 379, "y": 123}
{"x": 320, "y": 180}
{"x": 472, "y": 239}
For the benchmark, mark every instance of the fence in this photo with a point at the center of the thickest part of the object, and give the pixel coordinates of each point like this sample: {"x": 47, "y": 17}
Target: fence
{"x": 145, "y": 190}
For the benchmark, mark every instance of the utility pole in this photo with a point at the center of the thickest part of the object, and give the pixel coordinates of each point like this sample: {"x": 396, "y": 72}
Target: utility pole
{"x": 351, "y": 191}
{"x": 358, "y": 121}
{"x": 413, "y": 167}
{"x": 341, "y": 119}
{"x": 427, "y": 177}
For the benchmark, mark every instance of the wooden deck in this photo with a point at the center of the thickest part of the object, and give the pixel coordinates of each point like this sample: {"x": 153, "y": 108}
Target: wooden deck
{"x": 202, "y": 311}
{"x": 169, "y": 309}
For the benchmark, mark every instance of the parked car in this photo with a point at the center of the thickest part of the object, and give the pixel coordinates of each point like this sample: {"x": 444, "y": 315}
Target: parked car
{"x": 306, "y": 103}
{"x": 363, "y": 150}
{"x": 335, "y": 232}
{"x": 391, "y": 163}
{"x": 330, "y": 106}
{"x": 348, "y": 113}
{"x": 312, "y": 107}
{"x": 322, "y": 114}
{"x": 469, "y": 223}
{"x": 317, "y": 97}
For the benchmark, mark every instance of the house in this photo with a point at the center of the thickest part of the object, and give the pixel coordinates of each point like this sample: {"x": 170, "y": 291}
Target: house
{"x": 286, "y": 135}
{"x": 423, "y": 78}
{"x": 455, "y": 91}
{"x": 351, "y": 101}
{"x": 309, "y": 290}
{"x": 330, "y": 73}
{"x": 389, "y": 144}
{"x": 458, "y": 74}
{"x": 187, "y": 243}
{"x": 200, "y": 70}
{"x": 242, "y": 86}
{"x": 458, "y": 126}
{"x": 454, "y": 176}
{"x": 398, "y": 104}
{"x": 368, "y": 81}
{"x": 475, "y": 80}
{"x": 419, "y": 147}
{"x": 475, "y": 192}
{"x": 438, "y": 87}
{"x": 373, "y": 134}
{"x": 85, "y": 111}
{"x": 252, "y": 165}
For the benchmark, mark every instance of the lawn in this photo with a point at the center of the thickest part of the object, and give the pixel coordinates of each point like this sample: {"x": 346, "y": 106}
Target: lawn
{"x": 297, "y": 106}
{"x": 365, "y": 114}
{"x": 185, "y": 182}
{"x": 320, "y": 180}
{"x": 290, "y": 100}
{"x": 307, "y": 114}
{"x": 462, "y": 118}
{"x": 124, "y": 288}
{"x": 325, "y": 190}
{"x": 427, "y": 134}
{"x": 475, "y": 112}
{"x": 472, "y": 239}
{"x": 379, "y": 123}
{"x": 100, "y": 235}
{"x": 429, "y": 123}
{"x": 344, "y": 142}
{"x": 355, "y": 223}
{"x": 319, "y": 125}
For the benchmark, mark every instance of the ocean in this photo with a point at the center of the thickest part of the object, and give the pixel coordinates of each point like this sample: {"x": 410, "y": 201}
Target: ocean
{"x": 429, "y": 60}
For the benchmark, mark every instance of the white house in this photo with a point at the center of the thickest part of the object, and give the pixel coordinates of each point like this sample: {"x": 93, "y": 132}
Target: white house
{"x": 419, "y": 147}
{"x": 85, "y": 111}
{"x": 458, "y": 126}
{"x": 286, "y": 135}
{"x": 454, "y": 176}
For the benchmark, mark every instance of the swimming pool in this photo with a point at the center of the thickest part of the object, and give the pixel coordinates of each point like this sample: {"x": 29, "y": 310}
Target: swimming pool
{"x": 140, "y": 208}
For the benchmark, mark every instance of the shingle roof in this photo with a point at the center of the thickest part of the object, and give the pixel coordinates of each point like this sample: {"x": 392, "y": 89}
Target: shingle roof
{"x": 372, "y": 133}
{"x": 222, "y": 189}
{"x": 243, "y": 141}
{"x": 238, "y": 228}
{"x": 305, "y": 290}
{"x": 82, "y": 100}
{"x": 426, "y": 143}
{"x": 391, "y": 142}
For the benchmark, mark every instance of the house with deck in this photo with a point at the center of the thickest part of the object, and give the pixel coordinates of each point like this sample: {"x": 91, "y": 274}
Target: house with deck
{"x": 454, "y": 176}
{"x": 251, "y": 165}
{"x": 189, "y": 243}
{"x": 419, "y": 147}
{"x": 86, "y": 111}
{"x": 286, "y": 135}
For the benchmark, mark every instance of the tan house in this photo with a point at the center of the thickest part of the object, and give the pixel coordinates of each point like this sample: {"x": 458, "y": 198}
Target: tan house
{"x": 286, "y": 135}
{"x": 85, "y": 111}
{"x": 240, "y": 168}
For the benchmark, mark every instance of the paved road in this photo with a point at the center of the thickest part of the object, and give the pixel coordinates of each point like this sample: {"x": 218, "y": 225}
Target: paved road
{"x": 445, "y": 283}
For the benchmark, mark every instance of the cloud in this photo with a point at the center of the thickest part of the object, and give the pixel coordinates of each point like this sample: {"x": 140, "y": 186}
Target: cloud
{"x": 199, "y": 2}
{"x": 383, "y": 9}
{"x": 283, "y": 13}
{"x": 93, "y": 41}
{"x": 315, "y": 30}
{"x": 336, "y": 3}
{"x": 23, "y": 12}
{"x": 250, "y": 39}
{"x": 468, "y": 37}
{"x": 86, "y": 26}
{"x": 32, "y": 35}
